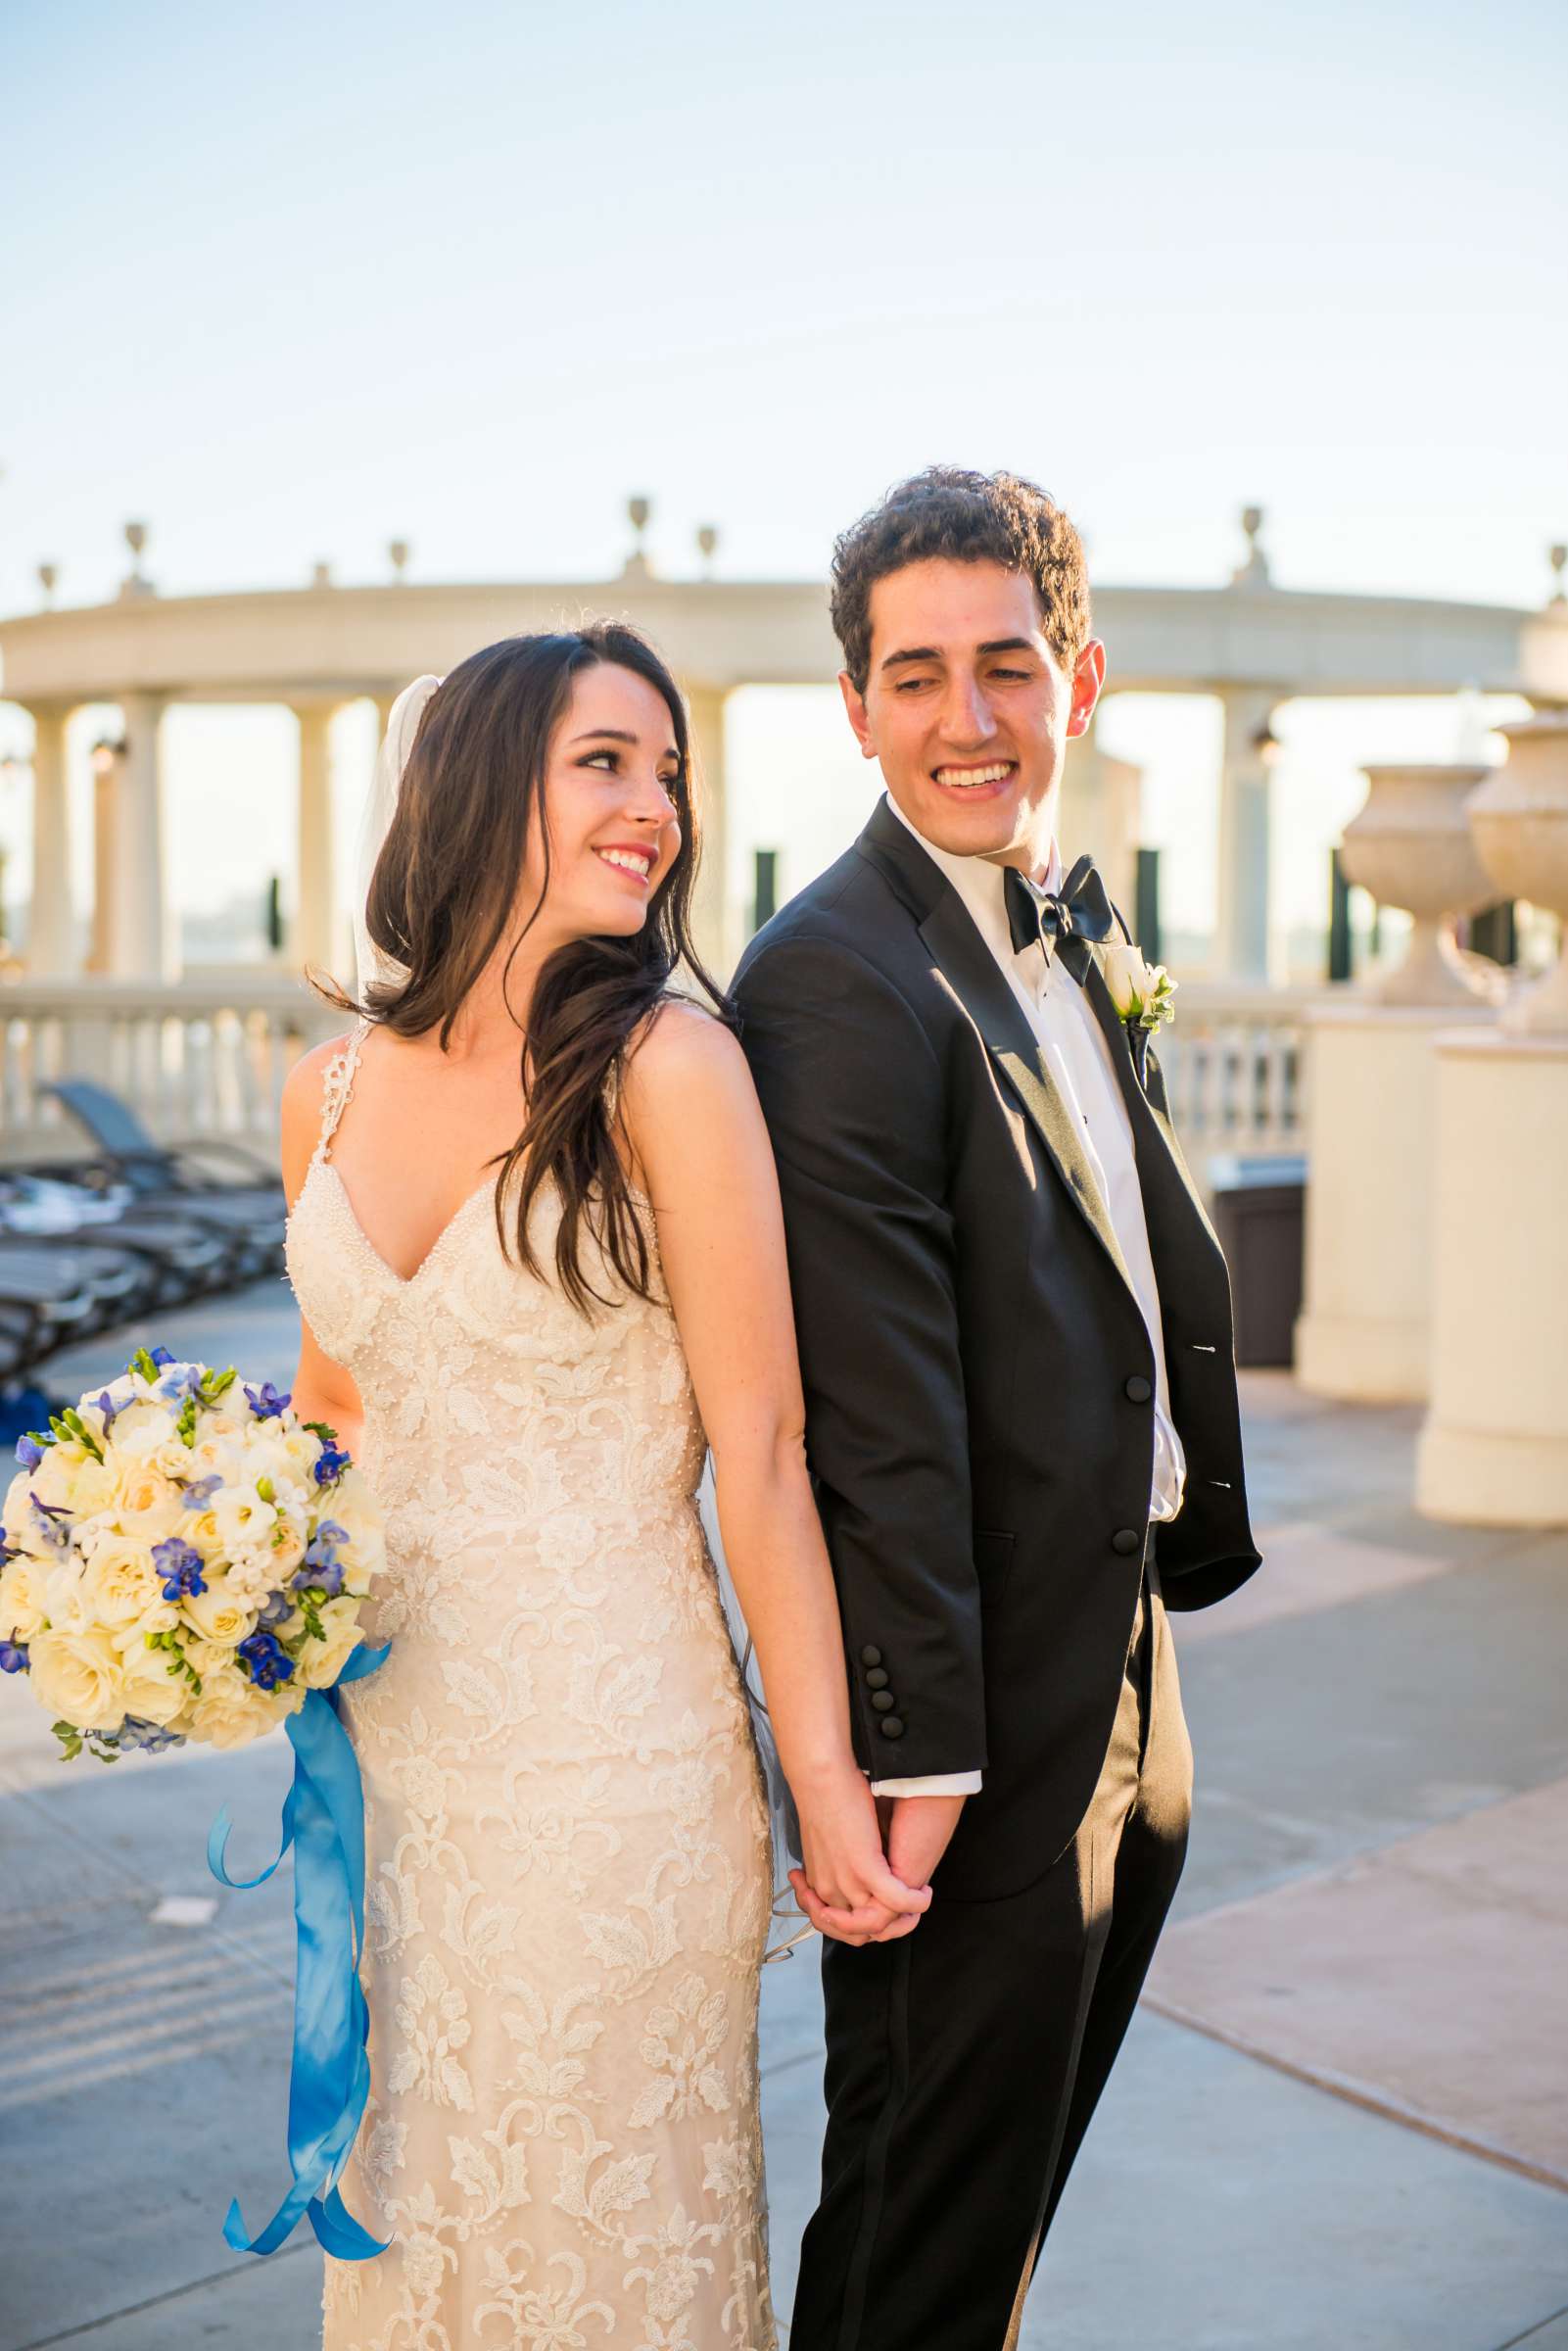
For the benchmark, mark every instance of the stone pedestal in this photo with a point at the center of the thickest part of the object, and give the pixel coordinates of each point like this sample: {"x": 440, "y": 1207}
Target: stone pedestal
{"x": 1495, "y": 1448}
{"x": 1370, "y": 1138}
{"x": 317, "y": 941}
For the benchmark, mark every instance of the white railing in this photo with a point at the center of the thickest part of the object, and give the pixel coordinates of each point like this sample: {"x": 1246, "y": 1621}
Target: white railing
{"x": 193, "y": 1058}
{"x": 1236, "y": 1066}
{"x": 208, "y": 1057}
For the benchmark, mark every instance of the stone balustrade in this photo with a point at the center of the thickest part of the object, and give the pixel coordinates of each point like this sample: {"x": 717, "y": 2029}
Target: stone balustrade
{"x": 1235, "y": 1061}
{"x": 197, "y": 1058}
{"x": 207, "y": 1057}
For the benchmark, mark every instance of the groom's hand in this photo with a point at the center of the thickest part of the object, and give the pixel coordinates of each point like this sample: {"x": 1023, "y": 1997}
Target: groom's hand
{"x": 917, "y": 1831}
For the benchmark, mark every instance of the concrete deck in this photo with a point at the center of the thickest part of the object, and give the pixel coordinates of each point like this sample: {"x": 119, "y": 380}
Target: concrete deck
{"x": 1341, "y": 2123}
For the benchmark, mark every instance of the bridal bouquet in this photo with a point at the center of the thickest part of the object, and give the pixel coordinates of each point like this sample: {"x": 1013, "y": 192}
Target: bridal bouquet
{"x": 181, "y": 1558}
{"x": 184, "y": 1557}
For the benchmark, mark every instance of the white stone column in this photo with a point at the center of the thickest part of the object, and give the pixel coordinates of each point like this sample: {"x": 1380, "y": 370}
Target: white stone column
{"x": 1101, "y": 814}
{"x": 144, "y": 946}
{"x": 107, "y": 790}
{"x": 1494, "y": 1451}
{"x": 51, "y": 920}
{"x": 712, "y": 920}
{"x": 317, "y": 929}
{"x": 1371, "y": 1151}
{"x": 1242, "y": 934}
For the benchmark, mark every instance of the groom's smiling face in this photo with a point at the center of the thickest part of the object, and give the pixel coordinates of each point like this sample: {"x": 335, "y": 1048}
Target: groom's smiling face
{"x": 967, "y": 708}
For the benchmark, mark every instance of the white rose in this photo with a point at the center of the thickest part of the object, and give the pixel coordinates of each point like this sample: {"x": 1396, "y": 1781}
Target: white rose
{"x": 216, "y": 1614}
{"x": 356, "y": 1511}
{"x": 140, "y": 1431}
{"x": 231, "y": 1714}
{"x": 321, "y": 1661}
{"x": 215, "y": 1454}
{"x": 121, "y": 1584}
{"x": 80, "y": 1676}
{"x": 23, "y": 1611}
{"x": 145, "y": 1502}
{"x": 65, "y": 1593}
{"x": 1127, "y": 976}
{"x": 155, "y": 1688}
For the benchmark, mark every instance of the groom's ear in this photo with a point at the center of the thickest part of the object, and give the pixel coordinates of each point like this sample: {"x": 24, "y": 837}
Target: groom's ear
{"x": 855, "y": 704}
{"x": 1088, "y": 676}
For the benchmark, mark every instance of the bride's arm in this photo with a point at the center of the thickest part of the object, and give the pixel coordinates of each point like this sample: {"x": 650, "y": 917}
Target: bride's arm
{"x": 697, "y": 1135}
{"x": 322, "y": 1389}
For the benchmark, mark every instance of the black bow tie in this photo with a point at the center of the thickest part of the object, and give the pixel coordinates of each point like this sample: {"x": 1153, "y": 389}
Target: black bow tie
{"x": 1068, "y": 922}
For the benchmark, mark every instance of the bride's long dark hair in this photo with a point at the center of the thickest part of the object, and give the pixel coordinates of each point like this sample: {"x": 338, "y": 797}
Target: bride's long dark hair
{"x": 445, "y": 890}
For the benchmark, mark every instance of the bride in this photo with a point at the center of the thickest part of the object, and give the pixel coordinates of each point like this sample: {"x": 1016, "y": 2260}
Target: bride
{"x": 536, "y": 1241}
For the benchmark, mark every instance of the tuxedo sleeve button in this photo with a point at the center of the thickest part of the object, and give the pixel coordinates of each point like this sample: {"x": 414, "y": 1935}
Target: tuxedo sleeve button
{"x": 890, "y": 1727}
{"x": 1137, "y": 1389}
{"x": 876, "y": 1677}
{"x": 870, "y": 1657}
{"x": 882, "y": 1701}
{"x": 1126, "y": 1539}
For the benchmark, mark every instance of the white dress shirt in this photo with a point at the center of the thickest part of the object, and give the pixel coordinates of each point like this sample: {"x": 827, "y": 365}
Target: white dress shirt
{"x": 1078, "y": 1056}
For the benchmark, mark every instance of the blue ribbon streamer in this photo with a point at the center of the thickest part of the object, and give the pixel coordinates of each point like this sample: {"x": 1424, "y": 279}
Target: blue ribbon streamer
{"x": 323, "y": 1820}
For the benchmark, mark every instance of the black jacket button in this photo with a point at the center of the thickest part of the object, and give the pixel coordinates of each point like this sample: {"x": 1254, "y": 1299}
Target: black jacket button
{"x": 870, "y": 1657}
{"x": 1126, "y": 1539}
{"x": 890, "y": 1727}
{"x": 876, "y": 1677}
{"x": 882, "y": 1701}
{"x": 1137, "y": 1389}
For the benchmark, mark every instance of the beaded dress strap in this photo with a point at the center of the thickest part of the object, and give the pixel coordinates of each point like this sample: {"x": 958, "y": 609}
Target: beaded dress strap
{"x": 337, "y": 1086}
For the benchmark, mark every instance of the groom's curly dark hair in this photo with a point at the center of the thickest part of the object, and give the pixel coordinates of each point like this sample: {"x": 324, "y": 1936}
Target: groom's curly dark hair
{"x": 968, "y": 518}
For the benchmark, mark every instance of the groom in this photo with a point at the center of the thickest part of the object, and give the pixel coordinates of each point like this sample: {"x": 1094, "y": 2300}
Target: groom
{"x": 1021, "y": 1420}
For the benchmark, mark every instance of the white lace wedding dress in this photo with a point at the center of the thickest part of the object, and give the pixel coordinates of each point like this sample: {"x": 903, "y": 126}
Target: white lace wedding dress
{"x": 567, "y": 1857}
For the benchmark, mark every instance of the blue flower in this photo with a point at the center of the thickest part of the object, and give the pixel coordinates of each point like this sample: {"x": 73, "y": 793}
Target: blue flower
{"x": 265, "y": 1660}
{"x": 13, "y": 1656}
{"x": 199, "y": 1491}
{"x": 277, "y": 1608}
{"x": 181, "y": 1567}
{"x": 30, "y": 1452}
{"x": 55, "y": 1523}
{"x": 331, "y": 1465}
{"x": 185, "y": 1382}
{"x": 109, "y": 1410}
{"x": 267, "y": 1404}
{"x": 151, "y": 1737}
{"x": 162, "y": 1355}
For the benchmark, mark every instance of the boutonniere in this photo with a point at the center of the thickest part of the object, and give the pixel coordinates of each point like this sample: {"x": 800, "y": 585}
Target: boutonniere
{"x": 1140, "y": 991}
{"x": 1141, "y": 994}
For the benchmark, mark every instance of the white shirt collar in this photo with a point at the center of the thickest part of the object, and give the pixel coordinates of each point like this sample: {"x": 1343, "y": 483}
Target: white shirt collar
{"x": 979, "y": 883}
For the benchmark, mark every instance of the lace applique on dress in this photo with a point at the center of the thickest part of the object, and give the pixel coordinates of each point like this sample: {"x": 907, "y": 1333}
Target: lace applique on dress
{"x": 567, "y": 1854}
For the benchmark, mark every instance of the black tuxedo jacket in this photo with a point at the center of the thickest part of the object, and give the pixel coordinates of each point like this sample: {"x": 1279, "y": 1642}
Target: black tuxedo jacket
{"x": 979, "y": 1375}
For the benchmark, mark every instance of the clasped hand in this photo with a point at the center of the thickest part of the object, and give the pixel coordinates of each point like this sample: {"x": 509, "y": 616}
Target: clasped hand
{"x": 869, "y": 1861}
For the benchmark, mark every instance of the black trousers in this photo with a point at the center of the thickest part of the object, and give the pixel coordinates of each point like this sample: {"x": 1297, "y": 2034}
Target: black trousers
{"x": 965, "y": 2060}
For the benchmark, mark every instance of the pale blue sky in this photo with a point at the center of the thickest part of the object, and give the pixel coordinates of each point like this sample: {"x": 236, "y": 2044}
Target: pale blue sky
{"x": 287, "y": 282}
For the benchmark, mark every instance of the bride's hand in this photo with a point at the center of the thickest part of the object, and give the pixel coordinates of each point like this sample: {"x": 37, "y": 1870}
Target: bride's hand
{"x": 846, "y": 1889}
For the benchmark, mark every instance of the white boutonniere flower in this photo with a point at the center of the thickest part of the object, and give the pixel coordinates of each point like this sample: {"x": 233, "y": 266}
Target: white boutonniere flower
{"x": 1140, "y": 991}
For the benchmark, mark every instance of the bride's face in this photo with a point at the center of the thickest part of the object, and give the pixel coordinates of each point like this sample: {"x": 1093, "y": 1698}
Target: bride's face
{"x": 609, "y": 785}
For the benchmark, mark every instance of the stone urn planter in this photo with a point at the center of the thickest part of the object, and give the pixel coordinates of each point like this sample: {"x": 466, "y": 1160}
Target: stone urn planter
{"x": 1519, "y": 820}
{"x": 1412, "y": 847}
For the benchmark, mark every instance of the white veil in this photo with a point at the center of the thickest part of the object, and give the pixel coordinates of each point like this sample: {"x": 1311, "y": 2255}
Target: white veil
{"x": 403, "y": 725}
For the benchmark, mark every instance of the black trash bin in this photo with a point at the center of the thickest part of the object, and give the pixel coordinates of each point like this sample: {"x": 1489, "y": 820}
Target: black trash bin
{"x": 1258, "y": 1212}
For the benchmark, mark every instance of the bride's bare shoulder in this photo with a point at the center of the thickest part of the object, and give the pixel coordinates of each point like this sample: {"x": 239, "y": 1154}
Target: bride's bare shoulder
{"x": 677, "y": 1043}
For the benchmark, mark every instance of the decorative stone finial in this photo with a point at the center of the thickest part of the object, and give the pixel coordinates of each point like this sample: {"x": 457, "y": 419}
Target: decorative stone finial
{"x": 1558, "y": 558}
{"x": 1253, "y": 573}
{"x": 48, "y": 576}
{"x": 707, "y": 547}
{"x": 136, "y": 583}
{"x": 639, "y": 512}
{"x": 321, "y": 575}
{"x": 398, "y": 550}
